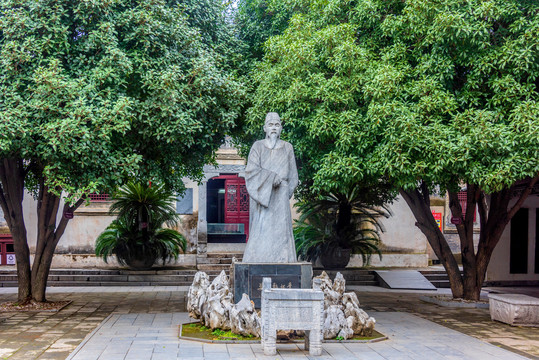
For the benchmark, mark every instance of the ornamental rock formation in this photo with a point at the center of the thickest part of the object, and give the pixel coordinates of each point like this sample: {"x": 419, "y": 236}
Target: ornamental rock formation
{"x": 342, "y": 315}
{"x": 212, "y": 305}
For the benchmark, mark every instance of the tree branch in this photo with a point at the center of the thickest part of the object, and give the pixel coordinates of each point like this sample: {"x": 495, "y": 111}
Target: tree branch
{"x": 425, "y": 192}
{"x": 64, "y": 221}
{"x": 482, "y": 208}
{"x": 3, "y": 203}
{"x": 522, "y": 197}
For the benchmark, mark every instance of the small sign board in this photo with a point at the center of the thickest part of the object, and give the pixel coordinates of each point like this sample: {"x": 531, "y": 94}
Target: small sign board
{"x": 438, "y": 218}
{"x": 68, "y": 215}
{"x": 456, "y": 220}
{"x": 10, "y": 259}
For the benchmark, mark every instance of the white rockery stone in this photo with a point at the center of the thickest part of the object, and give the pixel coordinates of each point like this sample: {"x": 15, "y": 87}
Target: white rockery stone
{"x": 244, "y": 319}
{"x": 196, "y": 297}
{"x": 218, "y": 303}
{"x": 335, "y": 324}
{"x": 212, "y": 305}
{"x": 342, "y": 315}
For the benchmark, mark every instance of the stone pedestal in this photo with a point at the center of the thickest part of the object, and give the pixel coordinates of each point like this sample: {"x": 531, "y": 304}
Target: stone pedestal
{"x": 292, "y": 309}
{"x": 248, "y": 278}
{"x": 514, "y": 309}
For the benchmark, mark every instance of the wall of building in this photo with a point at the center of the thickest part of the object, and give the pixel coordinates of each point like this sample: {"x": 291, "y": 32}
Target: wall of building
{"x": 498, "y": 269}
{"x": 403, "y": 244}
{"x": 76, "y": 247}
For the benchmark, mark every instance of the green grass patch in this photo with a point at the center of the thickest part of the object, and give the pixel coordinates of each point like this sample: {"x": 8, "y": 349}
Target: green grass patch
{"x": 199, "y": 331}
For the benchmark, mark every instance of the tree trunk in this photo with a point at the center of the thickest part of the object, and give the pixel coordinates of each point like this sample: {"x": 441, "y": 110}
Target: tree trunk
{"x": 12, "y": 175}
{"x": 32, "y": 283}
{"x": 471, "y": 289}
{"x": 494, "y": 215}
{"x": 48, "y": 235}
{"x": 419, "y": 203}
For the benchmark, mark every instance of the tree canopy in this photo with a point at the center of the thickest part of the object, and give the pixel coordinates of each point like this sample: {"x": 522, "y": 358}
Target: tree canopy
{"x": 91, "y": 89}
{"x": 424, "y": 95}
{"x": 95, "y": 92}
{"x": 442, "y": 91}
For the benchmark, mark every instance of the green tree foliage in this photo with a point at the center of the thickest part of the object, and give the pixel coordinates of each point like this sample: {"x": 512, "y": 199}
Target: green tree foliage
{"x": 95, "y": 92}
{"x": 255, "y": 21}
{"x": 423, "y": 95}
{"x": 258, "y": 20}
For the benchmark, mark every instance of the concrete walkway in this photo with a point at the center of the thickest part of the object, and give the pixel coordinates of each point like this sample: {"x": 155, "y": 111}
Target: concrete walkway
{"x": 142, "y": 323}
{"x": 155, "y": 337}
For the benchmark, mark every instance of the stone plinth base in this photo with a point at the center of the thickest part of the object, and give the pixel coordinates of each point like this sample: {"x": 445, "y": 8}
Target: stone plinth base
{"x": 292, "y": 309}
{"x": 514, "y": 309}
{"x": 248, "y": 278}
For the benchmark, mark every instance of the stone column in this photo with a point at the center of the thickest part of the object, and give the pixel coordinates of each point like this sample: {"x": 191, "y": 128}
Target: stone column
{"x": 202, "y": 226}
{"x": 268, "y": 331}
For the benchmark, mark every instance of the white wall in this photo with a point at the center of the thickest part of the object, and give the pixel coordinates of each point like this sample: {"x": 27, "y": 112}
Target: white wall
{"x": 401, "y": 234}
{"x": 76, "y": 247}
{"x": 498, "y": 269}
{"x": 80, "y": 234}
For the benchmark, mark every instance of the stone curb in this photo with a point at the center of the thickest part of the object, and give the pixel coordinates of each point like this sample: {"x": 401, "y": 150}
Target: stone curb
{"x": 455, "y": 304}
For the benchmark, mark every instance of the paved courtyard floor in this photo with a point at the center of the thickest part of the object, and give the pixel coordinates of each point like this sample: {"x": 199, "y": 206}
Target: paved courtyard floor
{"x": 142, "y": 323}
{"x": 155, "y": 337}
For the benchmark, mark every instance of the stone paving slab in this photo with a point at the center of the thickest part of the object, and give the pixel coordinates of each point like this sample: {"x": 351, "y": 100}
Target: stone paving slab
{"x": 155, "y": 337}
{"x": 404, "y": 279}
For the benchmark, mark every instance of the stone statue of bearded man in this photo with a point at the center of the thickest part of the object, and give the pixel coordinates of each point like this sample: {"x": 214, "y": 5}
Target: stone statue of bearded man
{"x": 271, "y": 177}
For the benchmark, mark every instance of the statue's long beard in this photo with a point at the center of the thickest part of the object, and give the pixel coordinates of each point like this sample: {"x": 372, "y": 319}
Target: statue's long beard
{"x": 273, "y": 138}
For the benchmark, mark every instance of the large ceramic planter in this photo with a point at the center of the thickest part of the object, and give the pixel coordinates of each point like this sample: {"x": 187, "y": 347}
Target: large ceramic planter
{"x": 140, "y": 263}
{"x": 338, "y": 258}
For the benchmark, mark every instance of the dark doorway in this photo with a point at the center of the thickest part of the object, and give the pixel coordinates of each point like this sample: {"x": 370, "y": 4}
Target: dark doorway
{"x": 215, "y": 208}
{"x": 518, "y": 257}
{"x": 227, "y": 209}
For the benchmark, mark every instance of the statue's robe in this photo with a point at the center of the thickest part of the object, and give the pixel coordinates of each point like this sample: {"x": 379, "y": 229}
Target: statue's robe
{"x": 270, "y": 232}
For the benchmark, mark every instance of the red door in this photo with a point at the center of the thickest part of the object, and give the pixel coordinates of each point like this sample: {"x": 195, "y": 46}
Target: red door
{"x": 7, "y": 252}
{"x": 237, "y": 203}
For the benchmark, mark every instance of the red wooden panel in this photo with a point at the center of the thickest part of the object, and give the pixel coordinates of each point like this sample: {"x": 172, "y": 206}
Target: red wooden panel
{"x": 94, "y": 197}
{"x": 463, "y": 200}
{"x": 237, "y": 203}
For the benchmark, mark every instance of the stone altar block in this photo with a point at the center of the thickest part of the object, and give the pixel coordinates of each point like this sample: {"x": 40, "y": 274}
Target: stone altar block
{"x": 248, "y": 277}
{"x": 292, "y": 309}
{"x": 514, "y": 309}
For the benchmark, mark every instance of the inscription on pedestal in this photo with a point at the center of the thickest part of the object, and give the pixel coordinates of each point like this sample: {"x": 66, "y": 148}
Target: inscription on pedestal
{"x": 278, "y": 282}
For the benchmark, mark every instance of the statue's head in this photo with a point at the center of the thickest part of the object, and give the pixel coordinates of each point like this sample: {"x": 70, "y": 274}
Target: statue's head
{"x": 272, "y": 125}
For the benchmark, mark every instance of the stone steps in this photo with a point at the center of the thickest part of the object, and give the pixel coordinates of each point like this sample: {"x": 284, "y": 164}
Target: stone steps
{"x": 91, "y": 277}
{"x": 217, "y": 261}
{"x": 355, "y": 277}
{"x": 161, "y": 277}
{"x": 438, "y": 278}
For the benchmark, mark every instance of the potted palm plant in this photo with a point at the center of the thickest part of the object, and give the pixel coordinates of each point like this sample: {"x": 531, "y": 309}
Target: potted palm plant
{"x": 333, "y": 226}
{"x": 137, "y": 237}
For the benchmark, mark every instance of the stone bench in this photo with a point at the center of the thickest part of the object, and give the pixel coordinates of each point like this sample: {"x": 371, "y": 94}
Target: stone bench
{"x": 292, "y": 309}
{"x": 514, "y": 309}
